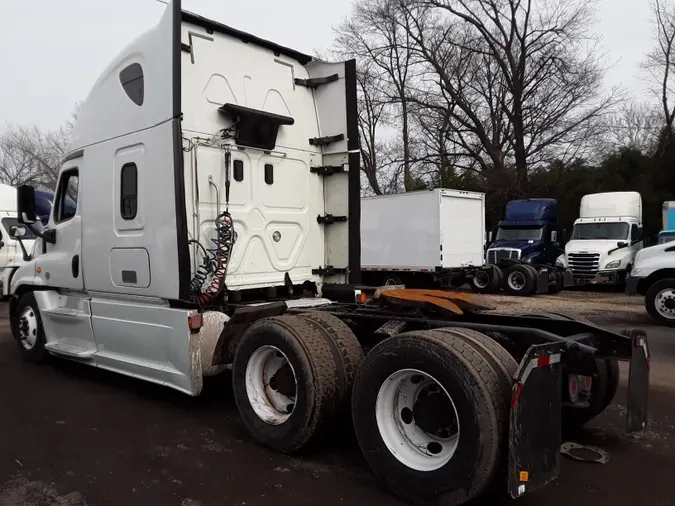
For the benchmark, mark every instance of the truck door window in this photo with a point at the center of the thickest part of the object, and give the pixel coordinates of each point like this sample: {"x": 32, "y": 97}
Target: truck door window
{"x": 129, "y": 191}
{"x": 66, "y": 196}
{"x": 634, "y": 233}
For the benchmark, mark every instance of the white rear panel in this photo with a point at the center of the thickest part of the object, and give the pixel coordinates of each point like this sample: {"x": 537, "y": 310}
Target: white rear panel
{"x": 275, "y": 221}
{"x": 401, "y": 231}
{"x": 611, "y": 205}
{"x": 462, "y": 228}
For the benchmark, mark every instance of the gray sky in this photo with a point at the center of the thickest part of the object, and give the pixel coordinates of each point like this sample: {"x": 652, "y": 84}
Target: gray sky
{"x": 55, "y": 49}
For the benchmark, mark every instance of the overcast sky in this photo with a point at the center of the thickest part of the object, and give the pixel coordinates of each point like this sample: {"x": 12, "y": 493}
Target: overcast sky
{"x": 53, "y": 50}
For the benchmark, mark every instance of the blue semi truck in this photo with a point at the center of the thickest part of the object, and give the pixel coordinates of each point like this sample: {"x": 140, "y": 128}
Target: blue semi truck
{"x": 523, "y": 253}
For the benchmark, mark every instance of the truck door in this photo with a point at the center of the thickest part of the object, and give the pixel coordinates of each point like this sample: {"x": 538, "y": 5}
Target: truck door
{"x": 62, "y": 266}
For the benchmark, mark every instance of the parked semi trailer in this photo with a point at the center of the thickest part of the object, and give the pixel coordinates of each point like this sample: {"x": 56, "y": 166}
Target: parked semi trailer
{"x": 230, "y": 238}
{"x": 606, "y": 237}
{"x": 524, "y": 251}
{"x": 431, "y": 238}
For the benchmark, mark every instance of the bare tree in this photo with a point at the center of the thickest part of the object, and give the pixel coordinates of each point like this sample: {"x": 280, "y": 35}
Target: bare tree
{"x": 660, "y": 61}
{"x": 524, "y": 84}
{"x": 31, "y": 155}
{"x": 373, "y": 33}
{"x": 635, "y": 126}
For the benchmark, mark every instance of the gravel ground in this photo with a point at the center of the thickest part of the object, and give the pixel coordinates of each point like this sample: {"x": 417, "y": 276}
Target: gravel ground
{"x": 603, "y": 305}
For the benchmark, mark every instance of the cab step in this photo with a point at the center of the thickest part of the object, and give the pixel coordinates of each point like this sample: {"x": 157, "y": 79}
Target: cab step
{"x": 69, "y": 350}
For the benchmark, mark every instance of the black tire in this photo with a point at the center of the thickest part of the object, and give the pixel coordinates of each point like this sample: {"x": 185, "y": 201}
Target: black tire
{"x": 473, "y": 386}
{"x": 486, "y": 280}
{"x": 315, "y": 372}
{"x": 651, "y": 303}
{"x": 520, "y": 280}
{"x": 346, "y": 349}
{"x": 559, "y": 285}
{"x": 28, "y": 320}
{"x": 391, "y": 280}
{"x": 603, "y": 390}
{"x": 505, "y": 366}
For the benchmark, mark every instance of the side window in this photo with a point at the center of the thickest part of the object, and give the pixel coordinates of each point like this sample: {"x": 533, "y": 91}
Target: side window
{"x": 129, "y": 191}
{"x": 634, "y": 233}
{"x": 131, "y": 78}
{"x": 66, "y": 196}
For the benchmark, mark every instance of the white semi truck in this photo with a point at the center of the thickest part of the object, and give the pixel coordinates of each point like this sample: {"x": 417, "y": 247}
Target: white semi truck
{"x": 423, "y": 238}
{"x": 653, "y": 274}
{"x": 605, "y": 239}
{"x": 11, "y": 254}
{"x": 230, "y": 238}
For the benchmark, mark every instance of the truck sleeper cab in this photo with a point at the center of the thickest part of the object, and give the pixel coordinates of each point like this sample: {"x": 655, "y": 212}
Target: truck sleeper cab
{"x": 229, "y": 238}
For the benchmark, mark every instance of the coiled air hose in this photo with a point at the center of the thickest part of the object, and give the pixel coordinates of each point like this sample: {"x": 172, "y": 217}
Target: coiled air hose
{"x": 217, "y": 258}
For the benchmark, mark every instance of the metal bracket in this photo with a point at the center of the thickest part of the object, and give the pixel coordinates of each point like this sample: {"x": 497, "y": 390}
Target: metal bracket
{"x": 329, "y": 219}
{"x": 324, "y": 141}
{"x": 328, "y": 170}
{"x": 329, "y": 270}
{"x": 315, "y": 82}
{"x": 189, "y": 48}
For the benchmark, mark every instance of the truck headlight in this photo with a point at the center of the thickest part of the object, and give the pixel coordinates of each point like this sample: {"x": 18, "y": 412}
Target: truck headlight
{"x": 559, "y": 263}
{"x": 527, "y": 260}
{"x": 613, "y": 265}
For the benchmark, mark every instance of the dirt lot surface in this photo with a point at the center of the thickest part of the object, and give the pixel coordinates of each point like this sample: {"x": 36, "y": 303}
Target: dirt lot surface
{"x": 602, "y": 305}
{"x": 73, "y": 436}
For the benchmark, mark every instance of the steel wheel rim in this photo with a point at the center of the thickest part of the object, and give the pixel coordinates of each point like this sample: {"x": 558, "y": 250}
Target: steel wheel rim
{"x": 390, "y": 282}
{"x": 269, "y": 403}
{"x": 481, "y": 280}
{"x": 398, "y": 417}
{"x": 516, "y": 281}
{"x": 28, "y": 328}
{"x": 665, "y": 303}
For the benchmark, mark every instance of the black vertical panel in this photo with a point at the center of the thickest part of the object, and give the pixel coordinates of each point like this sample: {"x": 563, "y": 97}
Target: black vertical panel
{"x": 178, "y": 169}
{"x": 354, "y": 184}
{"x": 238, "y": 170}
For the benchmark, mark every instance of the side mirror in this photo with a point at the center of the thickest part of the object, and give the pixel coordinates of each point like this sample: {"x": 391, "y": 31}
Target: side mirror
{"x": 26, "y": 213}
{"x": 17, "y": 231}
{"x": 621, "y": 244}
{"x": 554, "y": 236}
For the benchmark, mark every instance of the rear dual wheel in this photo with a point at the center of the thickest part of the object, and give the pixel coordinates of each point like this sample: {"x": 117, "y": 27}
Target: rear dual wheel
{"x": 488, "y": 280}
{"x": 291, "y": 375}
{"x": 520, "y": 279}
{"x": 430, "y": 413}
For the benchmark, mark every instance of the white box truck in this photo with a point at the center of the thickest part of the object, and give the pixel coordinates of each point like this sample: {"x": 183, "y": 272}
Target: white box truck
{"x": 422, "y": 238}
{"x": 216, "y": 188}
{"x": 605, "y": 239}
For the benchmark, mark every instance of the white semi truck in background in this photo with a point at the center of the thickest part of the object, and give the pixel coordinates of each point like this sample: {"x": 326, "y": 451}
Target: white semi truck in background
{"x": 605, "y": 239}
{"x": 229, "y": 239}
{"x": 653, "y": 274}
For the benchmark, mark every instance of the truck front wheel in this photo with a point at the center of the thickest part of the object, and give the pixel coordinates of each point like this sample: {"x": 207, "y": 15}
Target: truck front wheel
{"x": 427, "y": 418}
{"x": 660, "y": 301}
{"x": 28, "y": 330}
{"x": 285, "y": 382}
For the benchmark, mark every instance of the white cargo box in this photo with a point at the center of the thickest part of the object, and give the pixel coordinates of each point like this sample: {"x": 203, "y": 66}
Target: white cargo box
{"x": 423, "y": 230}
{"x": 611, "y": 205}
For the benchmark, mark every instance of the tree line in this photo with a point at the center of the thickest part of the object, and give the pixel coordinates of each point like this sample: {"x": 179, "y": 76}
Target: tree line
{"x": 508, "y": 97}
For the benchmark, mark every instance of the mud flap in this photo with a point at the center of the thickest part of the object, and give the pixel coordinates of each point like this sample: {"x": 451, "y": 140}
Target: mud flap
{"x": 535, "y": 420}
{"x": 638, "y": 381}
{"x": 542, "y": 281}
